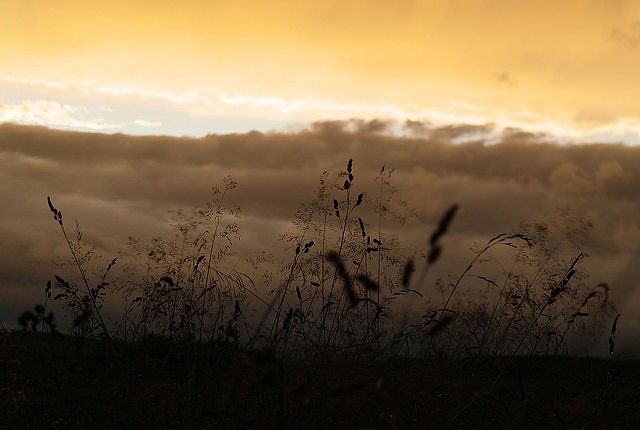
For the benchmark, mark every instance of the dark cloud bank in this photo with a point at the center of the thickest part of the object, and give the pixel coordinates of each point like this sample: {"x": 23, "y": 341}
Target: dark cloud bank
{"x": 117, "y": 185}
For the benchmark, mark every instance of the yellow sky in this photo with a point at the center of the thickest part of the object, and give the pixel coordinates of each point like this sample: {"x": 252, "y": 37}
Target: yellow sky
{"x": 570, "y": 67}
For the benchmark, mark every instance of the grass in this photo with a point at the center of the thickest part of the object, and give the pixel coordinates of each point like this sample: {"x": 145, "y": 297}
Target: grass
{"x": 353, "y": 334}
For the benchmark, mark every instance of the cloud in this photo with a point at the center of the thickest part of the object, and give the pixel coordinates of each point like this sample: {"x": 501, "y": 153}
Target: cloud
{"x": 304, "y": 61}
{"x": 505, "y": 78}
{"x": 117, "y": 185}
{"x": 569, "y": 178}
{"x": 629, "y": 36}
{"x": 144, "y": 123}
{"x": 196, "y": 111}
{"x": 55, "y": 114}
{"x": 52, "y": 113}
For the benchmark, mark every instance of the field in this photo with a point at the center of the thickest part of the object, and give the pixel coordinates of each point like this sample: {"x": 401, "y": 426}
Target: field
{"x": 54, "y": 381}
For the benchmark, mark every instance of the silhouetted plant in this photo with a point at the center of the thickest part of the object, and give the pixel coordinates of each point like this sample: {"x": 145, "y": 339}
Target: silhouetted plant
{"x": 86, "y": 304}
{"x": 179, "y": 287}
{"x": 38, "y": 320}
{"x": 612, "y": 336}
{"x": 527, "y": 309}
{"x": 531, "y": 310}
{"x": 341, "y": 290}
{"x": 329, "y": 296}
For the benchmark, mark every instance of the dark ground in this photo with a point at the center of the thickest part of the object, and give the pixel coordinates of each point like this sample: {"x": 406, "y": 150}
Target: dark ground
{"x": 50, "y": 381}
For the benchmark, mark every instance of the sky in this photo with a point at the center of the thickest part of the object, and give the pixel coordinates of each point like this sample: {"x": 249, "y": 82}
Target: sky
{"x": 198, "y": 67}
{"x": 521, "y": 112}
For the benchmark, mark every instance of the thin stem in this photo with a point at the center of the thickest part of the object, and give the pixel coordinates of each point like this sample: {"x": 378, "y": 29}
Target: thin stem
{"x": 85, "y": 281}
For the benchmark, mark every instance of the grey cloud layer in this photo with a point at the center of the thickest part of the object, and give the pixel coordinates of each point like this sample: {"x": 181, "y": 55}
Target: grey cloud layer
{"x": 117, "y": 185}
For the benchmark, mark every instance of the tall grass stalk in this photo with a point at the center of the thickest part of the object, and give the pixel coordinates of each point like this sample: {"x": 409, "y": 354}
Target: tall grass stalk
{"x": 57, "y": 215}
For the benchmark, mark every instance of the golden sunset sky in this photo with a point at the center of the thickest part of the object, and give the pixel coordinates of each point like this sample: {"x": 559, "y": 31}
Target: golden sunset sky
{"x": 197, "y": 67}
{"x": 494, "y": 91}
